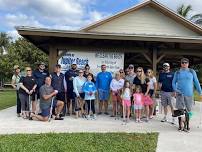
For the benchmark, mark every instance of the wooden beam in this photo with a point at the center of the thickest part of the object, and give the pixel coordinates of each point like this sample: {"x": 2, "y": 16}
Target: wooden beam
{"x": 147, "y": 57}
{"x": 154, "y": 60}
{"x": 52, "y": 58}
{"x": 160, "y": 58}
{"x": 181, "y": 52}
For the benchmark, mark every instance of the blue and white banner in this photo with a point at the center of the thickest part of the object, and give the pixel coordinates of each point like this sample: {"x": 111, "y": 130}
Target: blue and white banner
{"x": 113, "y": 60}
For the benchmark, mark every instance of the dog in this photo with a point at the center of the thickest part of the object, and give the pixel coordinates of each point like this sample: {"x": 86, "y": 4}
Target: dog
{"x": 183, "y": 119}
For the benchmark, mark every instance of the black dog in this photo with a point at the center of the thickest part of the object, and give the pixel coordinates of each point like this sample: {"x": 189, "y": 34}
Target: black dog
{"x": 183, "y": 119}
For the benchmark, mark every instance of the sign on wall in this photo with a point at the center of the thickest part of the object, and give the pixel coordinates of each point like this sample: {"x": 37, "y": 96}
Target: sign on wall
{"x": 113, "y": 60}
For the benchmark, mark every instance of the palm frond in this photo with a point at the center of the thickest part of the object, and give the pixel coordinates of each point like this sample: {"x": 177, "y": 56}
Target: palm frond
{"x": 195, "y": 17}
{"x": 186, "y": 10}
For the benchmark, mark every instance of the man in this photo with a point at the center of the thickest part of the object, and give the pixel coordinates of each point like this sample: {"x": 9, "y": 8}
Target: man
{"x": 46, "y": 94}
{"x": 58, "y": 84}
{"x": 182, "y": 83}
{"x": 165, "y": 85}
{"x": 131, "y": 74}
{"x": 16, "y": 85}
{"x": 39, "y": 74}
{"x": 69, "y": 76}
{"x": 103, "y": 81}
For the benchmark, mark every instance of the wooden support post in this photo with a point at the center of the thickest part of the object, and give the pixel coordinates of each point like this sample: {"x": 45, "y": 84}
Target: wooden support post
{"x": 154, "y": 60}
{"x": 52, "y": 58}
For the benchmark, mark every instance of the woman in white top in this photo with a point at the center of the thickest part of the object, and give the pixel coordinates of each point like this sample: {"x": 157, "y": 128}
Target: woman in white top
{"x": 152, "y": 90}
{"x": 116, "y": 86}
{"x": 78, "y": 83}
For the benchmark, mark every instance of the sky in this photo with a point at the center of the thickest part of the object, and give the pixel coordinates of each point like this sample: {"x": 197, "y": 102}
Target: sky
{"x": 68, "y": 14}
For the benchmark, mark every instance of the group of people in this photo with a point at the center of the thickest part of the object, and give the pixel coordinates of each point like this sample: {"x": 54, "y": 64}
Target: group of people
{"x": 132, "y": 92}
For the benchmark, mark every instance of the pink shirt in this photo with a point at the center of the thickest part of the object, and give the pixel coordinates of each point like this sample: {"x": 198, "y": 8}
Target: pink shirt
{"x": 138, "y": 98}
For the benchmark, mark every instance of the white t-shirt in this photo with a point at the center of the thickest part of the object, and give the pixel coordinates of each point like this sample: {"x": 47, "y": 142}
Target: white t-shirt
{"x": 116, "y": 84}
{"x": 126, "y": 94}
{"x": 152, "y": 81}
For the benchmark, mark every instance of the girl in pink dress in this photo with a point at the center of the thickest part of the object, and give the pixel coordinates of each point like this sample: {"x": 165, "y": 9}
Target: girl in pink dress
{"x": 138, "y": 99}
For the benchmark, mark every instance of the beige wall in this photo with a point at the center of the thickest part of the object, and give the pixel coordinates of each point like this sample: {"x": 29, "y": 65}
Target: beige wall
{"x": 145, "y": 21}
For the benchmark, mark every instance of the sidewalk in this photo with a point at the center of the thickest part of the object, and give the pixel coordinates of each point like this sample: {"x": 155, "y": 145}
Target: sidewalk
{"x": 170, "y": 140}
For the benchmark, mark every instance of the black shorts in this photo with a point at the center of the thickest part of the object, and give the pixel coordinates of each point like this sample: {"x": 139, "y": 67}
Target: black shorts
{"x": 60, "y": 96}
{"x": 151, "y": 92}
{"x": 82, "y": 95}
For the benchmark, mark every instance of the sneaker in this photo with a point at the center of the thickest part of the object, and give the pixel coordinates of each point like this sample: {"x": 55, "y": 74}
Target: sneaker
{"x": 94, "y": 117}
{"x": 59, "y": 118}
{"x": 180, "y": 129}
{"x": 18, "y": 115}
{"x": 106, "y": 113}
{"x": 173, "y": 121}
{"x": 140, "y": 121}
{"x": 88, "y": 117}
{"x": 147, "y": 120}
{"x": 99, "y": 113}
{"x": 112, "y": 116}
{"x": 137, "y": 120}
{"x": 164, "y": 119}
{"x": 186, "y": 130}
{"x": 83, "y": 115}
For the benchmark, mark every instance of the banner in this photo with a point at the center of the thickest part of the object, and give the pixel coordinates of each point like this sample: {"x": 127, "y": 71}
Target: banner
{"x": 113, "y": 60}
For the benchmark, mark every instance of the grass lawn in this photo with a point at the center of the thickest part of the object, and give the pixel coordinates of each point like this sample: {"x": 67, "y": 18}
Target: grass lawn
{"x": 7, "y": 99}
{"x": 196, "y": 96}
{"x": 84, "y": 142}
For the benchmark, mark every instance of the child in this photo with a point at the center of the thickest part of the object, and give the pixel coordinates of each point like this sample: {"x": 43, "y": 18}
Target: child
{"x": 126, "y": 102}
{"x": 89, "y": 89}
{"x": 138, "y": 99}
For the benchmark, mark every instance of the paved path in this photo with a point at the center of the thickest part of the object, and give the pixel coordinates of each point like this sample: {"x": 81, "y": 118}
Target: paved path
{"x": 170, "y": 140}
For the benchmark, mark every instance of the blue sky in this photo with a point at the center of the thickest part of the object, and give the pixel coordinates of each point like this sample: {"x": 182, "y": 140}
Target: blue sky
{"x": 67, "y": 14}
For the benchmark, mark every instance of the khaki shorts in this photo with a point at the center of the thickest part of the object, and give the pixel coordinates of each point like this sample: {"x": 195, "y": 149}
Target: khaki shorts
{"x": 166, "y": 99}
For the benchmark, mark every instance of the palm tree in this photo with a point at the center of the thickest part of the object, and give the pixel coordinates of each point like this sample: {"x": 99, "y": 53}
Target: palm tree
{"x": 4, "y": 42}
{"x": 184, "y": 11}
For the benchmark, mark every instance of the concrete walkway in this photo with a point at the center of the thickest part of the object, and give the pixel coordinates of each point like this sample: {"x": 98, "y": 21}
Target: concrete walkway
{"x": 170, "y": 140}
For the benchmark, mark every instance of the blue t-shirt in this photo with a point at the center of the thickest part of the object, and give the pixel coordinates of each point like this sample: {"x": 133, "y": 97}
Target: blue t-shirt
{"x": 103, "y": 80}
{"x": 166, "y": 80}
{"x": 184, "y": 80}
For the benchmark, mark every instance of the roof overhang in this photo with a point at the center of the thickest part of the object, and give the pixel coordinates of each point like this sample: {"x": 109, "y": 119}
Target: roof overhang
{"x": 43, "y": 38}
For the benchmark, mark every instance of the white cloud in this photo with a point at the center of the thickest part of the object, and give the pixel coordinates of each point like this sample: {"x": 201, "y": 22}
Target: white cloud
{"x": 21, "y": 19}
{"x": 67, "y": 14}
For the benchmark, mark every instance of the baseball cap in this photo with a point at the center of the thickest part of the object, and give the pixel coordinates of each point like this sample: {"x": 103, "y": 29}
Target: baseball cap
{"x": 16, "y": 67}
{"x": 184, "y": 60}
{"x": 131, "y": 66}
{"x": 166, "y": 64}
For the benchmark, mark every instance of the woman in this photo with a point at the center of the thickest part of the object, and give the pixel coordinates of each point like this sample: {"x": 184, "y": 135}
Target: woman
{"x": 87, "y": 72}
{"x": 78, "y": 83}
{"x": 116, "y": 86}
{"x": 152, "y": 90}
{"x": 122, "y": 73}
{"x": 143, "y": 82}
{"x": 26, "y": 92}
{"x": 15, "y": 84}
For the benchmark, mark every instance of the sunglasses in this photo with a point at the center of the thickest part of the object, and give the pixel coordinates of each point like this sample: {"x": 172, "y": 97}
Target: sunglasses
{"x": 184, "y": 62}
{"x": 28, "y": 70}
